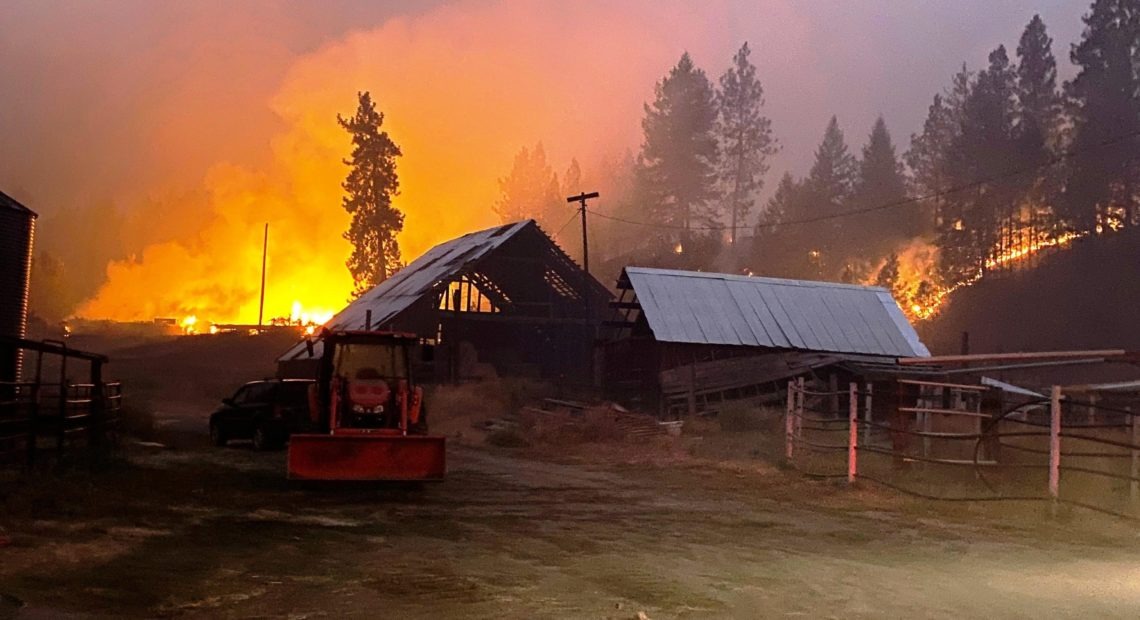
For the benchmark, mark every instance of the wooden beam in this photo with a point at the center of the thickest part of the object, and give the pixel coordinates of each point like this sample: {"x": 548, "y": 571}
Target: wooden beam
{"x": 957, "y": 386}
{"x": 626, "y": 305}
{"x": 1005, "y": 357}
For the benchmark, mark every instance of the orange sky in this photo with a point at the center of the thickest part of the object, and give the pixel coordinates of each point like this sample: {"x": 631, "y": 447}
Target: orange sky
{"x": 222, "y": 116}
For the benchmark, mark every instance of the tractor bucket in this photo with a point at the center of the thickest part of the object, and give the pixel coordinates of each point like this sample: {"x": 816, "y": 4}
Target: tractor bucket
{"x": 366, "y": 457}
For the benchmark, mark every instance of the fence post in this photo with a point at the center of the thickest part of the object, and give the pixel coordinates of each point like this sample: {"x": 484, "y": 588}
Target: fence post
{"x": 98, "y": 419}
{"x": 853, "y": 434}
{"x": 1055, "y": 446}
{"x": 1134, "y": 486}
{"x": 790, "y": 420}
{"x": 867, "y": 413}
{"x": 800, "y": 407}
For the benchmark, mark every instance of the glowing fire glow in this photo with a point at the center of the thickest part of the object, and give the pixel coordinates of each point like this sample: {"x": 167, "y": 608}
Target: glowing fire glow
{"x": 189, "y": 325}
{"x": 919, "y": 289}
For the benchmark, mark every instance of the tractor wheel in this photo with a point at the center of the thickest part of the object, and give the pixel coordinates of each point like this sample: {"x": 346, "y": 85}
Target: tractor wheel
{"x": 217, "y": 435}
{"x": 421, "y": 425}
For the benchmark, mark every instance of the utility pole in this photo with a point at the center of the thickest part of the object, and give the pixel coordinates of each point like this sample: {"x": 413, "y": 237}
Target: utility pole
{"x": 582, "y": 198}
{"x": 264, "y": 252}
{"x": 589, "y": 311}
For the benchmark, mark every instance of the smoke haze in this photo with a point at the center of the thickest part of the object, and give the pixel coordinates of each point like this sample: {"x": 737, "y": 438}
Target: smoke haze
{"x": 155, "y": 139}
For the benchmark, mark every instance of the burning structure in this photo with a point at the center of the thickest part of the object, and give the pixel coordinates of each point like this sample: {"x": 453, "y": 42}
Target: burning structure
{"x": 505, "y": 300}
{"x": 692, "y": 341}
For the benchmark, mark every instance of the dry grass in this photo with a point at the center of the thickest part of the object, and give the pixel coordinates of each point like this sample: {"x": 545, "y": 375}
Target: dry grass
{"x": 459, "y": 411}
{"x": 592, "y": 425}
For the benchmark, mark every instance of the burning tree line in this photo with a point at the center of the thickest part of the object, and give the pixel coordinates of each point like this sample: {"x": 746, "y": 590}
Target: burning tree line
{"x": 1008, "y": 162}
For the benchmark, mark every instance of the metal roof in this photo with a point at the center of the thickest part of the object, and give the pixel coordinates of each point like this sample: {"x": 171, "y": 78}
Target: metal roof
{"x": 8, "y": 202}
{"x": 723, "y": 309}
{"x": 410, "y": 284}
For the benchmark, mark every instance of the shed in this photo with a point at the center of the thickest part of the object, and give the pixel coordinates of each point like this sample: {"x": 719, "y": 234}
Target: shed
{"x": 692, "y": 340}
{"x": 17, "y": 231}
{"x": 502, "y": 301}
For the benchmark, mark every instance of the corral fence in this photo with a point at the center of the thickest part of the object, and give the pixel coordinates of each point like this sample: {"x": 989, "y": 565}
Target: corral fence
{"x": 950, "y": 442}
{"x": 46, "y": 413}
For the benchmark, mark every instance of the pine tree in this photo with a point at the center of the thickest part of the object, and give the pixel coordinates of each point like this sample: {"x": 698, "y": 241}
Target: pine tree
{"x": 1039, "y": 105}
{"x": 986, "y": 148}
{"x": 371, "y": 184}
{"x": 780, "y": 249}
{"x": 679, "y": 157}
{"x": 531, "y": 190}
{"x": 881, "y": 182}
{"x": 1038, "y": 129}
{"x": 833, "y": 173}
{"x": 928, "y": 153}
{"x": 1103, "y": 180}
{"x": 933, "y": 161}
{"x": 745, "y": 138}
{"x": 827, "y": 192}
{"x": 572, "y": 180}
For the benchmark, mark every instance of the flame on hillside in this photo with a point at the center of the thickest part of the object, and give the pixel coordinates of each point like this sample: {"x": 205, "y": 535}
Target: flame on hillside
{"x": 920, "y": 290}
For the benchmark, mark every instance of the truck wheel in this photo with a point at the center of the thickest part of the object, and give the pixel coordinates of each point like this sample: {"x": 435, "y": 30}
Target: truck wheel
{"x": 217, "y": 435}
{"x": 261, "y": 439}
{"x": 264, "y": 439}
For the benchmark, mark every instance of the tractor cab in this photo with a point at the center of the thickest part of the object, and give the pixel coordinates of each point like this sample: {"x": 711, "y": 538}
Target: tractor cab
{"x": 369, "y": 414}
{"x": 370, "y": 385}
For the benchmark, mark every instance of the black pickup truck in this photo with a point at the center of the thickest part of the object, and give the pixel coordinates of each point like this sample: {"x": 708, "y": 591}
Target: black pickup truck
{"x": 266, "y": 412}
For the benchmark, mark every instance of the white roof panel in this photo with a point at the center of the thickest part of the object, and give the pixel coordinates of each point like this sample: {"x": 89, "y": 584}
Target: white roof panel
{"x": 723, "y": 309}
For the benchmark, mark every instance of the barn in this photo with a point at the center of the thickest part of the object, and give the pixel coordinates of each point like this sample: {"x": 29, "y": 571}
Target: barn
{"x": 502, "y": 301}
{"x": 691, "y": 341}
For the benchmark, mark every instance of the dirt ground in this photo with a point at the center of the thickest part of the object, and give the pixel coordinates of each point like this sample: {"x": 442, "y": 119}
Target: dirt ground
{"x": 605, "y": 530}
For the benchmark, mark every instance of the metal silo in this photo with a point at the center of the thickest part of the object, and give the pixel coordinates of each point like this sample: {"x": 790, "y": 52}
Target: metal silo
{"x": 17, "y": 227}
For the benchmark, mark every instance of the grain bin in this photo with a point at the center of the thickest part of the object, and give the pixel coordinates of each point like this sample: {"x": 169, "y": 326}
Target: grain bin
{"x": 17, "y": 227}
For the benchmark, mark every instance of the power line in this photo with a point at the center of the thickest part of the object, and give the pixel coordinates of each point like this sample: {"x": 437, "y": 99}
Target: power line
{"x": 897, "y": 203}
{"x": 573, "y": 217}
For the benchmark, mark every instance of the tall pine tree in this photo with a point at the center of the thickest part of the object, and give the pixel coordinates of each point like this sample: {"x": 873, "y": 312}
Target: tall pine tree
{"x": 834, "y": 170}
{"x": 745, "y": 138}
{"x": 531, "y": 190}
{"x": 1038, "y": 131}
{"x": 679, "y": 157}
{"x": 927, "y": 156}
{"x": 986, "y": 148}
{"x": 881, "y": 182}
{"x": 371, "y": 184}
{"x": 1105, "y": 177}
{"x": 828, "y": 188}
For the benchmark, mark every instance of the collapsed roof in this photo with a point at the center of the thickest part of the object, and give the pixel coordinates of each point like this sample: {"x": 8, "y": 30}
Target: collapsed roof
{"x": 534, "y": 278}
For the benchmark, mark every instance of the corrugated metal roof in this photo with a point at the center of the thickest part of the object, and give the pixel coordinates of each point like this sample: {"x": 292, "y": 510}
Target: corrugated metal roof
{"x": 717, "y": 308}
{"x": 410, "y": 284}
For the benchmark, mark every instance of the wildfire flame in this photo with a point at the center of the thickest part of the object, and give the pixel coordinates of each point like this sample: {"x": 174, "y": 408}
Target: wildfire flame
{"x": 189, "y": 325}
{"x": 919, "y": 289}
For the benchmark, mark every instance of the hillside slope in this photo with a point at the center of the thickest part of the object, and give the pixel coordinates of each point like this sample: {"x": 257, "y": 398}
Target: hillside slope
{"x": 1085, "y": 297}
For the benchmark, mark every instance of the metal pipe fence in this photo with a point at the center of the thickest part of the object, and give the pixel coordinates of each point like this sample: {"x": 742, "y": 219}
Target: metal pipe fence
{"x": 51, "y": 414}
{"x": 1080, "y": 442}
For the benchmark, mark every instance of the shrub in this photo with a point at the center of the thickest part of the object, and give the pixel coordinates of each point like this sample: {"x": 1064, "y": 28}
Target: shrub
{"x": 740, "y": 417}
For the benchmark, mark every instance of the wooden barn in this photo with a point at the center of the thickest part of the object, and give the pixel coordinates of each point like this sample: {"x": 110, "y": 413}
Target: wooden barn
{"x": 692, "y": 341}
{"x": 502, "y": 301}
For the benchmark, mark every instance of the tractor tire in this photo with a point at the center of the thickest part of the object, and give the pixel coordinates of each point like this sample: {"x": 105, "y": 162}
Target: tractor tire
{"x": 421, "y": 425}
{"x": 218, "y": 435}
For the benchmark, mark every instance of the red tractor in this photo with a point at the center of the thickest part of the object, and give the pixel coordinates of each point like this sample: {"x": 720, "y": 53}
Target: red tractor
{"x": 369, "y": 418}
